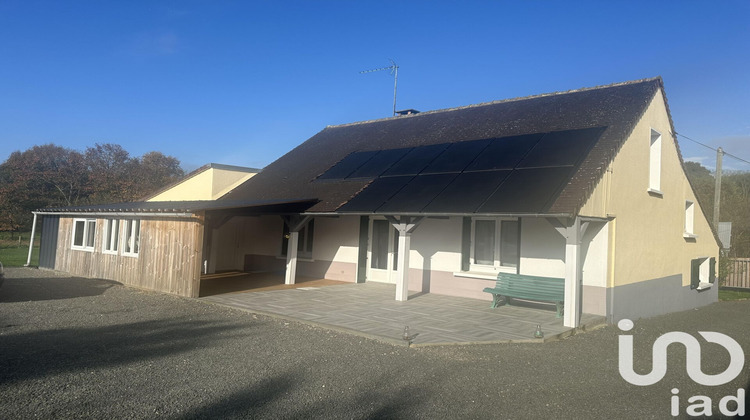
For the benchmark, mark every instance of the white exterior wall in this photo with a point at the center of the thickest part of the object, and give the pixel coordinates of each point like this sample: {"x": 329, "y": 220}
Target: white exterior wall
{"x": 595, "y": 252}
{"x": 259, "y": 239}
{"x": 336, "y": 239}
{"x": 436, "y": 245}
{"x": 542, "y": 249}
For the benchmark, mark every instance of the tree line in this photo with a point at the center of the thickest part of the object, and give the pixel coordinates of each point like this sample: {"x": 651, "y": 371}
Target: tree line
{"x": 734, "y": 206}
{"x": 54, "y": 176}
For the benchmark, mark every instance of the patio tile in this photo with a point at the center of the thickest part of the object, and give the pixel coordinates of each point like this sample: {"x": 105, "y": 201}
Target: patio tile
{"x": 371, "y": 309}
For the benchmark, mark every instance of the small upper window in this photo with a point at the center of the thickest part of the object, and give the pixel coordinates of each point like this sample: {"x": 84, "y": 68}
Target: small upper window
{"x": 111, "y": 239}
{"x": 689, "y": 219}
{"x": 654, "y": 170}
{"x": 132, "y": 243}
{"x": 84, "y": 232}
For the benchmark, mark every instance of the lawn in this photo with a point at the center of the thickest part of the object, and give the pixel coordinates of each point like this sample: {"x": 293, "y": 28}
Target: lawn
{"x": 13, "y": 253}
{"x": 726, "y": 294}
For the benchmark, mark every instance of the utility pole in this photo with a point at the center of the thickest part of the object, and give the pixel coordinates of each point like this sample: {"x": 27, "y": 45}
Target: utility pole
{"x": 717, "y": 188}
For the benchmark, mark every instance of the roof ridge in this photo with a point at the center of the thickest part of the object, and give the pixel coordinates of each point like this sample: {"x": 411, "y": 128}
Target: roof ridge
{"x": 499, "y": 101}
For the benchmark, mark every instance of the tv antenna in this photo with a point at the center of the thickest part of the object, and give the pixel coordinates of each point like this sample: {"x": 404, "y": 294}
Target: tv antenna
{"x": 394, "y": 71}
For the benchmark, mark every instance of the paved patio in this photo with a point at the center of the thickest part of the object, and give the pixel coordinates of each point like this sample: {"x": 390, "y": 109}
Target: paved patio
{"x": 370, "y": 310}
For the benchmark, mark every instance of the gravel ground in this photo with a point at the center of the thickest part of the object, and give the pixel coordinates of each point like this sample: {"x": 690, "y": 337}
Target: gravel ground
{"x": 74, "y": 347}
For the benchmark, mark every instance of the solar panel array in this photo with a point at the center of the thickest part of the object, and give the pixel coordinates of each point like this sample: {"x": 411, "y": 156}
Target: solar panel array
{"x": 518, "y": 174}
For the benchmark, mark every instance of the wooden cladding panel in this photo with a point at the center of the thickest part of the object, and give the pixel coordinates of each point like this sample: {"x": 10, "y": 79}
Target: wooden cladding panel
{"x": 169, "y": 257}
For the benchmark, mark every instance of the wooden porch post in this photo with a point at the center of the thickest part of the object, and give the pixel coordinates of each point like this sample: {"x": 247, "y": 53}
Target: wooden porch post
{"x": 31, "y": 241}
{"x": 291, "y": 258}
{"x": 405, "y": 226}
{"x": 571, "y": 315}
{"x": 402, "y": 277}
{"x": 295, "y": 224}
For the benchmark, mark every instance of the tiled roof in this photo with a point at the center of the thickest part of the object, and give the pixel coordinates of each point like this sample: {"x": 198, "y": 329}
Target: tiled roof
{"x": 615, "y": 108}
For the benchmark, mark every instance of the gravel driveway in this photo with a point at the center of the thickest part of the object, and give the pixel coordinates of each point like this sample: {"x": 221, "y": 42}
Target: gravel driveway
{"x": 73, "y": 347}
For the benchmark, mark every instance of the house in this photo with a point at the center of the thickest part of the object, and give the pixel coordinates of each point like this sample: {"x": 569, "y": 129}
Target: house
{"x": 586, "y": 185}
{"x": 209, "y": 182}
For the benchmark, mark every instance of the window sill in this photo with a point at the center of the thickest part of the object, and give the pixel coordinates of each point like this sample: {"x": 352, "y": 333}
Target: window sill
{"x": 129, "y": 255}
{"x": 703, "y": 286}
{"x": 76, "y": 248}
{"x": 655, "y": 193}
{"x": 109, "y": 252}
{"x": 303, "y": 259}
{"x": 690, "y": 236}
{"x": 476, "y": 275}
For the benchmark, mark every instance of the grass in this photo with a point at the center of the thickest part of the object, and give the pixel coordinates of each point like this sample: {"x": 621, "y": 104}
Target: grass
{"x": 727, "y": 294}
{"x": 13, "y": 253}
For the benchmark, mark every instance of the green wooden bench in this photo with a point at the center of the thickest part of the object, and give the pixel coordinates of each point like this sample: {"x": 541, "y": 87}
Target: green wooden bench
{"x": 519, "y": 286}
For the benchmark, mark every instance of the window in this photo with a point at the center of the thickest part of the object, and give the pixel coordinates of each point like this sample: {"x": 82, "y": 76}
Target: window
{"x": 702, "y": 273}
{"x": 132, "y": 243}
{"x": 494, "y": 244}
{"x": 304, "y": 243}
{"x": 84, "y": 232}
{"x": 111, "y": 239}
{"x": 689, "y": 220}
{"x": 654, "y": 171}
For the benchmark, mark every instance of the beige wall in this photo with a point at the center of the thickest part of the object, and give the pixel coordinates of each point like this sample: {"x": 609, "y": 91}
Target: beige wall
{"x": 648, "y": 241}
{"x": 210, "y": 184}
{"x": 168, "y": 261}
{"x": 335, "y": 246}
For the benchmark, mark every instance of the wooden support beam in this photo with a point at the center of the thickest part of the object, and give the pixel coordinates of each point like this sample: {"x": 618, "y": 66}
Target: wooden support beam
{"x": 290, "y": 274}
{"x": 295, "y": 222}
{"x": 572, "y": 313}
{"x": 405, "y": 225}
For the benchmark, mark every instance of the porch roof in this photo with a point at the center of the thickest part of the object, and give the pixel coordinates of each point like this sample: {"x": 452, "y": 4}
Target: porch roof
{"x": 185, "y": 208}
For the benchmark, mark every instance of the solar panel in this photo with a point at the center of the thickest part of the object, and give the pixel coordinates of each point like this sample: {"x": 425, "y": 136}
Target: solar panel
{"x": 504, "y": 153}
{"x": 379, "y": 163}
{"x": 375, "y": 194}
{"x": 418, "y": 193}
{"x": 347, "y": 165}
{"x": 562, "y": 148}
{"x": 456, "y": 157}
{"x": 527, "y": 190}
{"x": 467, "y": 192}
{"x": 416, "y": 160}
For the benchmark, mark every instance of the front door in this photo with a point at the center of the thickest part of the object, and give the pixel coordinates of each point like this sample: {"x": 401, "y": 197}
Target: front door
{"x": 382, "y": 253}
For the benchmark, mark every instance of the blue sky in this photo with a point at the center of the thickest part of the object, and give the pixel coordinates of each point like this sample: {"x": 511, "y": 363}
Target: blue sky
{"x": 243, "y": 82}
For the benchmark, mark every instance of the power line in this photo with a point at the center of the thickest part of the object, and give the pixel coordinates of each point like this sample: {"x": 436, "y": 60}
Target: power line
{"x": 715, "y": 150}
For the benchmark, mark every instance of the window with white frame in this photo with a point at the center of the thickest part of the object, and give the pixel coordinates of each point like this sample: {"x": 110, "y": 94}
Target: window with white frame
{"x": 689, "y": 219}
{"x": 654, "y": 169}
{"x": 111, "y": 240}
{"x": 304, "y": 242}
{"x": 84, "y": 233}
{"x": 494, "y": 244}
{"x": 131, "y": 243}
{"x": 702, "y": 272}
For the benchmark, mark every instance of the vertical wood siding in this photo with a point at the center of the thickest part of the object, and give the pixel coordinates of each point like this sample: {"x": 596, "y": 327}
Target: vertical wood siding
{"x": 169, "y": 257}
{"x": 739, "y": 273}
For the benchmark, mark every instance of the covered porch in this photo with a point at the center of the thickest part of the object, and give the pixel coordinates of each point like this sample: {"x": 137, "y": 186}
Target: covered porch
{"x": 440, "y": 251}
{"x": 368, "y": 309}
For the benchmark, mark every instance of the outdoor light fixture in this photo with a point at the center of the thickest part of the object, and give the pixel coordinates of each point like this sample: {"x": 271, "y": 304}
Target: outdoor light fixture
{"x": 538, "y": 333}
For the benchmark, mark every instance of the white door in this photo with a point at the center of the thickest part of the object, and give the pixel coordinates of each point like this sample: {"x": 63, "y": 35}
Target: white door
{"x": 382, "y": 253}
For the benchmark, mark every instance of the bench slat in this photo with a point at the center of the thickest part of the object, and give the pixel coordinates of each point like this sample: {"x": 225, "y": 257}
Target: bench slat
{"x": 519, "y": 286}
